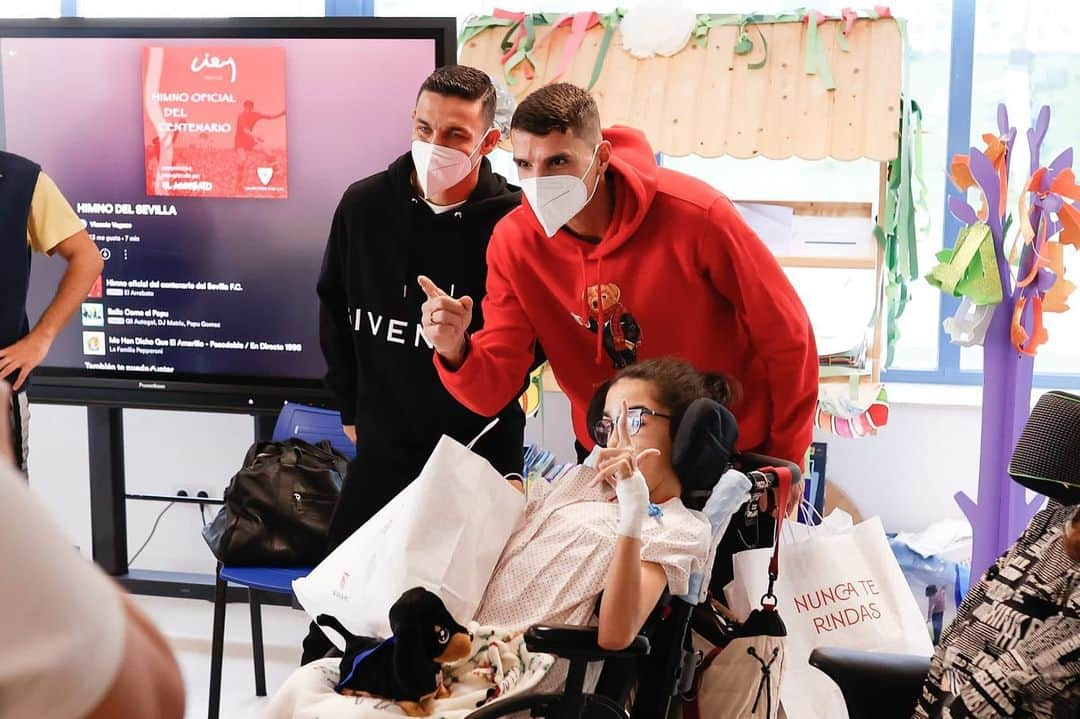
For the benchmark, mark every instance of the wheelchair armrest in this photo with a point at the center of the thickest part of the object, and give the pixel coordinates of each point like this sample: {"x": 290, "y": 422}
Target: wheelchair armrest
{"x": 575, "y": 642}
{"x": 750, "y": 461}
{"x": 874, "y": 683}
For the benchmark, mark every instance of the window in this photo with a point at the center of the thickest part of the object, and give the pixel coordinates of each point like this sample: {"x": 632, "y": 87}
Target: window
{"x": 1028, "y": 58}
{"x": 30, "y": 8}
{"x": 201, "y": 8}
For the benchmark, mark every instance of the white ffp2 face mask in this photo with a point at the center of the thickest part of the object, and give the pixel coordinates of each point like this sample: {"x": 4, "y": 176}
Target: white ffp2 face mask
{"x": 556, "y": 199}
{"x": 439, "y": 168}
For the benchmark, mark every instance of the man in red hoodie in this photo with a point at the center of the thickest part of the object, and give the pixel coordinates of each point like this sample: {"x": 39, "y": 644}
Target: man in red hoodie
{"x": 611, "y": 259}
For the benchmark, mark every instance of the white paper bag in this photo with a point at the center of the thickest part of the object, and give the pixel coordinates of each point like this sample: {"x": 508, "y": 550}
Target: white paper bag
{"x": 444, "y": 532}
{"x": 837, "y": 588}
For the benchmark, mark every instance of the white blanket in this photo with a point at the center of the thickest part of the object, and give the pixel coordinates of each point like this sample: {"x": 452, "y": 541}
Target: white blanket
{"x": 500, "y": 665}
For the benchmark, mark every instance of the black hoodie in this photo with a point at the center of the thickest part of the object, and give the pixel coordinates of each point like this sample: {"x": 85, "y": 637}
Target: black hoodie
{"x": 379, "y": 364}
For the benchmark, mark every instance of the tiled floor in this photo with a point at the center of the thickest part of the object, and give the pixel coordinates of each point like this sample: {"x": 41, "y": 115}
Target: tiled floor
{"x": 187, "y": 623}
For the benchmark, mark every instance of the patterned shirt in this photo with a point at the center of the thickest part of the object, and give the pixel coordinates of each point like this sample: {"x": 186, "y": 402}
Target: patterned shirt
{"x": 1014, "y": 648}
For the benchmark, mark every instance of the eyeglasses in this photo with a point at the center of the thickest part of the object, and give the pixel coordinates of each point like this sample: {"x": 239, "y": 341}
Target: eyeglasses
{"x": 635, "y": 420}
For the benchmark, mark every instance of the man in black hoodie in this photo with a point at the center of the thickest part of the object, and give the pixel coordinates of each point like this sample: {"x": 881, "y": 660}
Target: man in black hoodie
{"x": 430, "y": 213}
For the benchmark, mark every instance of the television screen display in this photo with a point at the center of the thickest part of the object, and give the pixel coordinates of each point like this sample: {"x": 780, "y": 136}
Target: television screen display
{"x": 205, "y": 160}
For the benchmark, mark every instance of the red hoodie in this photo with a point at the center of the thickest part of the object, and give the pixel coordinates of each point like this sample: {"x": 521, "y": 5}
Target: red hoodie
{"x": 679, "y": 274}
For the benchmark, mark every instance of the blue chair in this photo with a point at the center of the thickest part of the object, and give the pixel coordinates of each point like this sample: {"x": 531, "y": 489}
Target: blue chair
{"x": 310, "y": 424}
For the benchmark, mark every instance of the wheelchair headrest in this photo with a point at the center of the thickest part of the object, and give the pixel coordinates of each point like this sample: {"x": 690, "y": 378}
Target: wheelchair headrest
{"x": 703, "y": 445}
{"x": 1047, "y": 457}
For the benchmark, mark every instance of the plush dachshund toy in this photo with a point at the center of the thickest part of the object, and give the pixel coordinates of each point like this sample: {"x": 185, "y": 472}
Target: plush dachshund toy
{"x": 406, "y": 668}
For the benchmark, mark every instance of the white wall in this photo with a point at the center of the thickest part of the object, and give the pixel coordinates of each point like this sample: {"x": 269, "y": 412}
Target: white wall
{"x": 907, "y": 474}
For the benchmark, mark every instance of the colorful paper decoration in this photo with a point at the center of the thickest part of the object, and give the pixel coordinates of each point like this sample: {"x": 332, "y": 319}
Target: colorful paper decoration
{"x": 840, "y": 414}
{"x": 970, "y": 268}
{"x": 520, "y": 40}
{"x": 979, "y": 267}
{"x": 1032, "y": 279}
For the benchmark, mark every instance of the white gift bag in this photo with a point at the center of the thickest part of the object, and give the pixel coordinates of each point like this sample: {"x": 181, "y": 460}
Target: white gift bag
{"x": 837, "y": 588}
{"x": 444, "y": 532}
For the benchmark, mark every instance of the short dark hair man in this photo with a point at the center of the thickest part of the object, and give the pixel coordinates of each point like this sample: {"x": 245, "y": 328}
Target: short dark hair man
{"x": 430, "y": 213}
{"x": 612, "y": 259}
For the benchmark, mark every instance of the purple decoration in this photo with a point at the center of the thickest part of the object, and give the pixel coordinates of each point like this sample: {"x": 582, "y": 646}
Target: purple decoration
{"x": 1044, "y": 280}
{"x": 1036, "y": 135}
{"x": 1050, "y": 203}
{"x": 1062, "y": 162}
{"x": 985, "y": 176}
{"x": 963, "y": 211}
{"x": 1002, "y": 511}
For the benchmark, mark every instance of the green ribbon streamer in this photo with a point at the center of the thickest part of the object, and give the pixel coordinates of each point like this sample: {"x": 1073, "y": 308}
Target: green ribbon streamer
{"x": 479, "y": 25}
{"x": 610, "y": 22}
{"x": 816, "y": 62}
{"x": 899, "y": 237}
{"x": 764, "y": 52}
{"x": 524, "y": 51}
{"x": 921, "y": 190}
{"x": 841, "y": 38}
{"x": 744, "y": 45}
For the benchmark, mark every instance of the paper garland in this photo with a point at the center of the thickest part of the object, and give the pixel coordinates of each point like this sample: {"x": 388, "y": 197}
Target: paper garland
{"x": 520, "y": 41}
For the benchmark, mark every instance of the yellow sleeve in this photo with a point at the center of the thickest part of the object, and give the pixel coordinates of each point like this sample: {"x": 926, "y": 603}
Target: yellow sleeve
{"x": 51, "y": 218}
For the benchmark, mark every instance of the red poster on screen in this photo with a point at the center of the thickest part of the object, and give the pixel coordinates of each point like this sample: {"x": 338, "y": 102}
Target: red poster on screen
{"x": 214, "y": 121}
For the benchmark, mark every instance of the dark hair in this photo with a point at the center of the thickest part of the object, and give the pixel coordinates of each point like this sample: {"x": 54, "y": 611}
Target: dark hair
{"x": 677, "y": 385}
{"x": 465, "y": 82}
{"x": 561, "y": 107}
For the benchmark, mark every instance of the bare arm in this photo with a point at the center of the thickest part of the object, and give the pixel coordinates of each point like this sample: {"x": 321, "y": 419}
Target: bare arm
{"x": 631, "y": 592}
{"x": 84, "y": 266}
{"x": 633, "y": 586}
{"x": 7, "y": 452}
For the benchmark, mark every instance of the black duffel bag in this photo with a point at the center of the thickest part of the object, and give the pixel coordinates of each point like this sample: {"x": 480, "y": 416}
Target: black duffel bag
{"x": 278, "y": 506}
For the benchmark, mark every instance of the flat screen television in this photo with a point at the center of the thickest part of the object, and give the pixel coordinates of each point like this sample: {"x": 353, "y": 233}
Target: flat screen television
{"x": 205, "y": 159}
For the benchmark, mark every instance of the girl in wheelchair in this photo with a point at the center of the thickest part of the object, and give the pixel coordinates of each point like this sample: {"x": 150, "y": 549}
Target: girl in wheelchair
{"x": 615, "y": 529}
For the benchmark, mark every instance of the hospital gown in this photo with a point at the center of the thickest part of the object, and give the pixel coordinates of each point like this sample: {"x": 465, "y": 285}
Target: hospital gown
{"x": 555, "y": 564}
